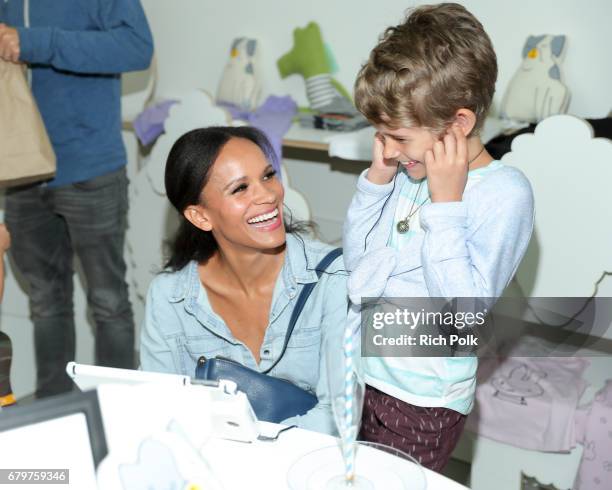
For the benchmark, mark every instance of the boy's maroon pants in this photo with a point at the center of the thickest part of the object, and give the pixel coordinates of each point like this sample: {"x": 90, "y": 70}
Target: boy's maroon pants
{"x": 428, "y": 434}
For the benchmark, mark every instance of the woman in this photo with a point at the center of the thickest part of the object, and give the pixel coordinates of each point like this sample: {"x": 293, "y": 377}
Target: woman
{"x": 235, "y": 272}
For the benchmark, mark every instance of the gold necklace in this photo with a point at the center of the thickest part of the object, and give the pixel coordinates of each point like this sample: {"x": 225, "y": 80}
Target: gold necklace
{"x": 403, "y": 225}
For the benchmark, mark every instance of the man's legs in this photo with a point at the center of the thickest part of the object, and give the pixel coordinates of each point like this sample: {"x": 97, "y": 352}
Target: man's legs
{"x": 42, "y": 253}
{"x": 96, "y": 213}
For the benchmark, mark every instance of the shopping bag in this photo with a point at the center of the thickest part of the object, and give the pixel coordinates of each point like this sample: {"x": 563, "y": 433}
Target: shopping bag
{"x": 26, "y": 154}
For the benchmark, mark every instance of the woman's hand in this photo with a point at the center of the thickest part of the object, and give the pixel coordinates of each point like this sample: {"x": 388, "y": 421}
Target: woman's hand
{"x": 382, "y": 169}
{"x": 447, "y": 167}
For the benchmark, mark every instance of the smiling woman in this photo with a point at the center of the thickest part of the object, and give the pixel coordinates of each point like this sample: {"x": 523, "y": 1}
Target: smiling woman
{"x": 236, "y": 271}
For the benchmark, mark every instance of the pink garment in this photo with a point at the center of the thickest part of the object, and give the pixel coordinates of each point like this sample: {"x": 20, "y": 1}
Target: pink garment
{"x": 529, "y": 402}
{"x": 594, "y": 427}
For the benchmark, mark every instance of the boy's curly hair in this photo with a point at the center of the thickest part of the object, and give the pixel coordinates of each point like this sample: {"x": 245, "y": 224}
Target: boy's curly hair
{"x": 425, "y": 69}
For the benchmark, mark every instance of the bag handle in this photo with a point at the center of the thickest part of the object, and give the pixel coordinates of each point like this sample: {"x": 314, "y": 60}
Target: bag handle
{"x": 26, "y": 24}
{"x": 302, "y": 298}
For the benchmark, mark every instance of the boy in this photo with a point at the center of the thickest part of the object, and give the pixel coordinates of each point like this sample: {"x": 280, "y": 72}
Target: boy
{"x": 433, "y": 216}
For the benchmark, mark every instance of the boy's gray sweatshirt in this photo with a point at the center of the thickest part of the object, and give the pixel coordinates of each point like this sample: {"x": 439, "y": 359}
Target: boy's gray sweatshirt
{"x": 470, "y": 249}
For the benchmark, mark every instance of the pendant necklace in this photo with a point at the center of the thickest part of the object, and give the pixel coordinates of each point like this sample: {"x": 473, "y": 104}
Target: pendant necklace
{"x": 403, "y": 225}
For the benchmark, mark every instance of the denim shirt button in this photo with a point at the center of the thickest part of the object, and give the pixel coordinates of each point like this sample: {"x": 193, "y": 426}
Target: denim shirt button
{"x": 266, "y": 352}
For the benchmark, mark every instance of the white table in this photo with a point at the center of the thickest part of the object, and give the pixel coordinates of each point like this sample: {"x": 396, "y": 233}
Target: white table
{"x": 266, "y": 464}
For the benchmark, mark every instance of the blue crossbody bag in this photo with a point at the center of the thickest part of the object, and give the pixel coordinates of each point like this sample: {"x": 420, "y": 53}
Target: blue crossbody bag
{"x": 273, "y": 399}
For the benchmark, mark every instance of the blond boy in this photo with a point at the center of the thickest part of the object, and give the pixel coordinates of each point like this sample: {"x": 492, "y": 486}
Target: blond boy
{"x": 433, "y": 216}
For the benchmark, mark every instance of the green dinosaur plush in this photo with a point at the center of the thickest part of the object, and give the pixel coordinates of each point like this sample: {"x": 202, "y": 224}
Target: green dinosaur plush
{"x": 310, "y": 58}
{"x": 307, "y": 57}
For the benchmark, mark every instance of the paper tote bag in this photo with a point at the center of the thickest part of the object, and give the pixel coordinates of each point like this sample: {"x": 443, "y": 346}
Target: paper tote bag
{"x": 26, "y": 154}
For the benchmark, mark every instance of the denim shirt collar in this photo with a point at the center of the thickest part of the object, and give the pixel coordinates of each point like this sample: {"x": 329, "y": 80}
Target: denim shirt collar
{"x": 300, "y": 263}
{"x": 298, "y": 268}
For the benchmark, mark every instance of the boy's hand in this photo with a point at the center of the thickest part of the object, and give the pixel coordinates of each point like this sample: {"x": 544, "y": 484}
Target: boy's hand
{"x": 447, "y": 167}
{"x": 382, "y": 169}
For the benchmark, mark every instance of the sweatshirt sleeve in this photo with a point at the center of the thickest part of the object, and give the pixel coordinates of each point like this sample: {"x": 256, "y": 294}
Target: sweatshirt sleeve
{"x": 121, "y": 41}
{"x": 477, "y": 259}
{"x": 364, "y": 212}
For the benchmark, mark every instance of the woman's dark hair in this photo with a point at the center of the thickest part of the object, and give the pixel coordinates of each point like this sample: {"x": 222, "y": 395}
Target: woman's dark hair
{"x": 187, "y": 172}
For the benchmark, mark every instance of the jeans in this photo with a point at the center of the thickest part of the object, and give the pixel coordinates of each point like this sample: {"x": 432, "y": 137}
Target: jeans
{"x": 48, "y": 226}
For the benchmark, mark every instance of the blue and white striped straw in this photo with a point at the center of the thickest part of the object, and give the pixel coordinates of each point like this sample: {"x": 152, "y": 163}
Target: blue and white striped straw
{"x": 349, "y": 434}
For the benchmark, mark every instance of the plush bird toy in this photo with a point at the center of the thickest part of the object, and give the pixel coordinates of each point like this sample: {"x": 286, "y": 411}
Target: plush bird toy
{"x": 240, "y": 84}
{"x": 536, "y": 90}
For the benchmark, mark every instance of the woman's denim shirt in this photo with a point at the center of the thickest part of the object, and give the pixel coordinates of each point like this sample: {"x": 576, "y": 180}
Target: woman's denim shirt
{"x": 180, "y": 326}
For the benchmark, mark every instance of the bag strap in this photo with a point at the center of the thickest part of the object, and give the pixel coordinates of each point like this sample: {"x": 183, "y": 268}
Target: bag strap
{"x": 302, "y": 298}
